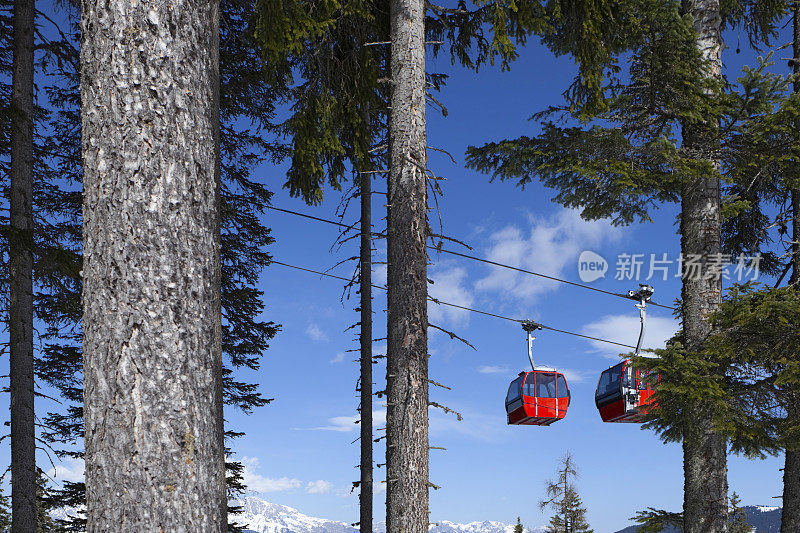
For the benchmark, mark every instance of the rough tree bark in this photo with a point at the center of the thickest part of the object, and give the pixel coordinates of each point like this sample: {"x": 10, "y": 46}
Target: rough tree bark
{"x": 365, "y": 287}
{"x": 219, "y": 394}
{"x": 151, "y": 321}
{"x": 790, "y": 516}
{"x": 407, "y": 352}
{"x": 23, "y": 430}
{"x": 705, "y": 503}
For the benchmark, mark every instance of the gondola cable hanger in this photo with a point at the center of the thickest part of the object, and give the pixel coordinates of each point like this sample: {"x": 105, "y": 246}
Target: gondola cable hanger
{"x": 623, "y": 392}
{"x": 643, "y": 296}
{"x": 530, "y": 326}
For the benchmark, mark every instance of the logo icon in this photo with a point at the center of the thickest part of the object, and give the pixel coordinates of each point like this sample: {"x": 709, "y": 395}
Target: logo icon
{"x": 591, "y": 266}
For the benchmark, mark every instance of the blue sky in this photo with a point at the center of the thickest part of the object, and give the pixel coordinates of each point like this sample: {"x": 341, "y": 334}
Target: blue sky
{"x": 299, "y": 450}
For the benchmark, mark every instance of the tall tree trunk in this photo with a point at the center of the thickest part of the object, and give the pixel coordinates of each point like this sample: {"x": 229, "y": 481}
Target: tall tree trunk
{"x": 705, "y": 503}
{"x": 407, "y": 352}
{"x": 790, "y": 516}
{"x": 23, "y": 429}
{"x": 151, "y": 315}
{"x": 365, "y": 496}
{"x": 219, "y": 394}
{"x": 705, "y": 457}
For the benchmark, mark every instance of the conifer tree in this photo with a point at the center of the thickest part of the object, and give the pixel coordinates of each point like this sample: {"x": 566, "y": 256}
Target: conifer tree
{"x": 562, "y": 496}
{"x": 5, "y": 514}
{"x": 407, "y": 227}
{"x": 151, "y": 296}
{"x": 328, "y": 128}
{"x": 20, "y": 239}
{"x": 738, "y": 517}
{"x": 244, "y": 238}
{"x": 518, "y": 527}
{"x": 757, "y": 335}
{"x": 669, "y": 140}
{"x": 790, "y": 516}
{"x": 704, "y": 449}
{"x": 45, "y": 505}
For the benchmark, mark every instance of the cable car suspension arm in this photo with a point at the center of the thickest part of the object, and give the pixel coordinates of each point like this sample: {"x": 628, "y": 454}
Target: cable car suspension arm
{"x": 643, "y": 296}
{"x": 530, "y": 326}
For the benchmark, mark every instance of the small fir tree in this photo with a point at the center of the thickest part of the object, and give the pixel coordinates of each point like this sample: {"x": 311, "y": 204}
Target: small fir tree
{"x": 45, "y": 505}
{"x": 738, "y": 517}
{"x": 518, "y": 527}
{"x": 563, "y": 497}
{"x": 5, "y": 514}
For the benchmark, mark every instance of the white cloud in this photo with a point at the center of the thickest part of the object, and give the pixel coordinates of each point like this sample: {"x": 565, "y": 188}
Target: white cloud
{"x": 338, "y": 358}
{"x": 70, "y": 469}
{"x": 493, "y": 369}
{"x": 259, "y": 483}
{"x": 319, "y": 486}
{"x": 448, "y": 286}
{"x": 316, "y": 333}
{"x": 577, "y": 376}
{"x": 348, "y": 423}
{"x": 380, "y": 275}
{"x": 625, "y": 329}
{"x": 339, "y": 423}
{"x": 549, "y": 247}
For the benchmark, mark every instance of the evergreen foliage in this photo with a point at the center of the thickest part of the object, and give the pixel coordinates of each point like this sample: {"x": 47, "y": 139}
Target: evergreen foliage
{"x": 757, "y": 333}
{"x": 5, "y": 514}
{"x": 626, "y": 157}
{"x": 45, "y": 505}
{"x": 745, "y": 377}
{"x": 518, "y": 527}
{"x": 655, "y": 520}
{"x": 330, "y": 59}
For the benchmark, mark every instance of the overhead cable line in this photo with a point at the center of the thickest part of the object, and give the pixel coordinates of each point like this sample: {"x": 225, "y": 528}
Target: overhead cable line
{"x": 440, "y": 302}
{"x": 474, "y": 258}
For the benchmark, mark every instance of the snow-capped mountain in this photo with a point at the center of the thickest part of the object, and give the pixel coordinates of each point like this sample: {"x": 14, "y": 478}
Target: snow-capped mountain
{"x": 478, "y": 527}
{"x": 264, "y": 517}
{"x": 763, "y": 518}
{"x": 261, "y": 516}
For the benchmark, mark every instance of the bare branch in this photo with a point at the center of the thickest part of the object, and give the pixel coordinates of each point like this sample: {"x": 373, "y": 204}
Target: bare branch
{"x": 446, "y": 410}
{"x": 438, "y": 384}
{"x": 452, "y": 335}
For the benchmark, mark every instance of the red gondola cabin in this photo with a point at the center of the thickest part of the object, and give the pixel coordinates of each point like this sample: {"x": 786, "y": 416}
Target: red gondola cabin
{"x": 537, "y": 398}
{"x": 623, "y": 394}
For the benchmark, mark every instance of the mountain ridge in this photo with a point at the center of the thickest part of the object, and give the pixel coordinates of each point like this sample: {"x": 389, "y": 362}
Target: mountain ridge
{"x": 261, "y": 516}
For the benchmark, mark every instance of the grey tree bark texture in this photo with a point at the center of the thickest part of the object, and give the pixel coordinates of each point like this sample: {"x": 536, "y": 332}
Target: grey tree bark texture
{"x": 151, "y": 315}
{"x": 365, "y": 289}
{"x": 705, "y": 497}
{"x": 219, "y": 396}
{"x": 407, "y": 350}
{"x": 790, "y": 516}
{"x": 23, "y": 429}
